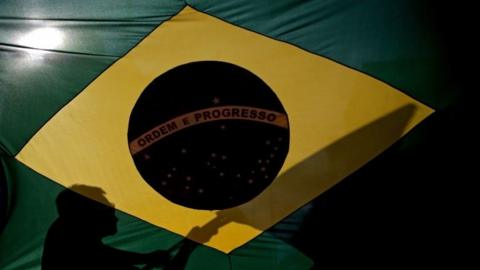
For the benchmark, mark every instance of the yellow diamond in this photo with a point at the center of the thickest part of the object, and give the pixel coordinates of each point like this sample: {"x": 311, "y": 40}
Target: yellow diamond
{"x": 339, "y": 119}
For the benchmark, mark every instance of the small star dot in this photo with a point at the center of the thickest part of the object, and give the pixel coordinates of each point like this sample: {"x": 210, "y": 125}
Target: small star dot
{"x": 187, "y": 187}
{"x": 230, "y": 198}
{"x": 214, "y": 155}
{"x": 259, "y": 161}
{"x": 266, "y": 176}
{"x": 208, "y": 163}
{"x": 223, "y": 127}
{"x": 280, "y": 139}
{"x": 216, "y": 100}
{"x": 169, "y": 175}
{"x": 267, "y": 161}
{"x": 224, "y": 157}
{"x": 221, "y": 174}
{"x": 250, "y": 181}
{"x": 272, "y": 155}
{"x": 164, "y": 183}
{"x": 174, "y": 169}
{"x": 252, "y": 171}
{"x": 238, "y": 175}
{"x": 262, "y": 169}
{"x": 184, "y": 151}
{"x": 188, "y": 178}
{"x": 200, "y": 190}
{"x": 268, "y": 142}
{"x": 275, "y": 148}
{"x": 146, "y": 157}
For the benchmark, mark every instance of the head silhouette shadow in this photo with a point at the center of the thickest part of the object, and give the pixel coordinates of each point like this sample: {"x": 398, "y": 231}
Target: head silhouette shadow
{"x": 74, "y": 240}
{"x": 87, "y": 217}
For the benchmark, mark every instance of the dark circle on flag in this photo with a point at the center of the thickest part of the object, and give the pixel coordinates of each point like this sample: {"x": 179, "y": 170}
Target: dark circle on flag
{"x": 208, "y": 135}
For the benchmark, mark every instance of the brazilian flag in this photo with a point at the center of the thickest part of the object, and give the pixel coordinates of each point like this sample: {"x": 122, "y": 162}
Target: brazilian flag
{"x": 218, "y": 134}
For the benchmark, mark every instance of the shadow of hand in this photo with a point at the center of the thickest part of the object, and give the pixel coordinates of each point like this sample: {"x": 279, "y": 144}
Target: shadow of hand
{"x": 202, "y": 234}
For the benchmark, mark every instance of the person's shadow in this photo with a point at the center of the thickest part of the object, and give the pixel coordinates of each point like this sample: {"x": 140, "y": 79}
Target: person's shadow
{"x": 74, "y": 240}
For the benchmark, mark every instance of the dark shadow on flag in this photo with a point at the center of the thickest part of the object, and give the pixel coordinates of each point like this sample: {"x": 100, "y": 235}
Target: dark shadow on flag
{"x": 322, "y": 168}
{"x": 74, "y": 240}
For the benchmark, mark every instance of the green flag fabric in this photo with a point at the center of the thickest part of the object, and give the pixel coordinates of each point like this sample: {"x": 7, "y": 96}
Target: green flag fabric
{"x": 54, "y": 53}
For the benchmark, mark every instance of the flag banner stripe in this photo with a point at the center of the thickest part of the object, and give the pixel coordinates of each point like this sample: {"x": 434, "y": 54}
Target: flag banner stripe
{"x": 204, "y": 116}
